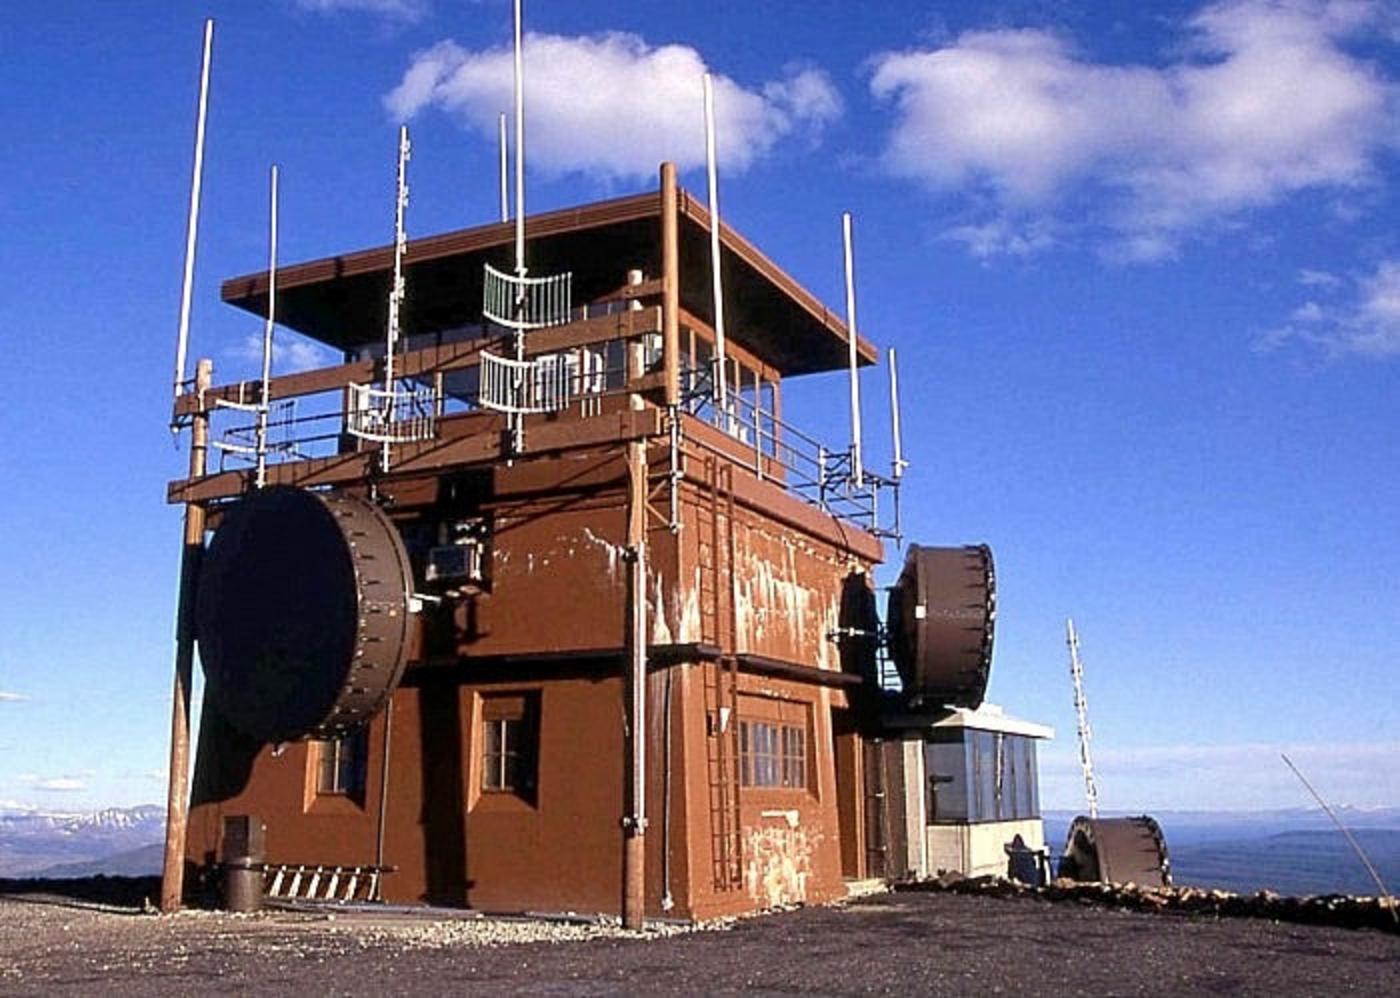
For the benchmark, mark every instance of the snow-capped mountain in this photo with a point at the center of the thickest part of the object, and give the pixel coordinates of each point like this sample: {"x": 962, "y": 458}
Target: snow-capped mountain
{"x": 32, "y": 839}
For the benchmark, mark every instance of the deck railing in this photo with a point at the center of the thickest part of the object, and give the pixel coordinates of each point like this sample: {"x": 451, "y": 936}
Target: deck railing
{"x": 331, "y": 417}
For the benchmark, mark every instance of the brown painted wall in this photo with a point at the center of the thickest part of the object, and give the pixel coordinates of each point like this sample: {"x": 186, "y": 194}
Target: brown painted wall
{"x": 733, "y": 578}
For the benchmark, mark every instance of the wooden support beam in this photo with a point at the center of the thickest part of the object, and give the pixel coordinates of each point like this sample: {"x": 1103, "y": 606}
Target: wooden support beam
{"x": 670, "y": 284}
{"x": 430, "y": 360}
{"x": 177, "y": 807}
{"x": 481, "y": 446}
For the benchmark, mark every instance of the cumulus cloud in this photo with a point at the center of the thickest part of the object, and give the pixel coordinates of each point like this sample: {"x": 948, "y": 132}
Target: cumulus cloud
{"x": 1362, "y": 318}
{"x": 613, "y": 106}
{"x": 1263, "y": 102}
{"x": 399, "y": 10}
{"x": 1227, "y": 777}
{"x": 6, "y": 697}
{"x": 290, "y": 353}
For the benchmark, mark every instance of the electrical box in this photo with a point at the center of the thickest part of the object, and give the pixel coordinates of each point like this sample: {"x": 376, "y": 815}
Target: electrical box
{"x": 462, "y": 562}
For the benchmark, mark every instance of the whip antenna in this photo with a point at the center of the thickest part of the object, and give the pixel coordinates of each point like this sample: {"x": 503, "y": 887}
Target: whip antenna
{"x": 192, "y": 225}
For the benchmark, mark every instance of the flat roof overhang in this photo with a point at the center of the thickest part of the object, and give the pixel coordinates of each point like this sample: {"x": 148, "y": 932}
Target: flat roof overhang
{"x": 343, "y": 300}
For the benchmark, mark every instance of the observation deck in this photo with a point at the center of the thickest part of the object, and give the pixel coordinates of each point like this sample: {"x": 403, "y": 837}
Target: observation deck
{"x": 623, "y": 351}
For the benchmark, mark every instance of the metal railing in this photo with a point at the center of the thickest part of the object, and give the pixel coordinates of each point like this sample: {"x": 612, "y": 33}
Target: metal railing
{"x": 806, "y": 467}
{"x": 527, "y": 302}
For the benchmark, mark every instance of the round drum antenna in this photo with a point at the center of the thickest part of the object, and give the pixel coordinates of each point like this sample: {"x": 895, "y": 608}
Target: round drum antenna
{"x": 302, "y": 613}
{"x": 942, "y": 613}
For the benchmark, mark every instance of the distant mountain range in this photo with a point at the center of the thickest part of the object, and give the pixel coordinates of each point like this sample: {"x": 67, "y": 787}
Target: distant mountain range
{"x": 35, "y": 843}
{"x": 1292, "y": 851}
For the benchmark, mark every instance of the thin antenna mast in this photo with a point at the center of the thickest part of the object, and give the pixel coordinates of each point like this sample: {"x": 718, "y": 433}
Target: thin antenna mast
{"x": 519, "y": 159}
{"x": 265, "y": 397}
{"x": 396, "y": 290}
{"x": 1081, "y": 709}
{"x": 192, "y": 225}
{"x": 1356, "y": 846}
{"x": 505, "y": 167}
{"x": 857, "y": 466}
{"x": 898, "y": 464}
{"x": 518, "y": 418}
{"x": 719, "y": 378}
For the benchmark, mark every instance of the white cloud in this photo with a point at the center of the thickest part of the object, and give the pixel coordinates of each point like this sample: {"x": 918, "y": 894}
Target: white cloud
{"x": 12, "y": 697}
{"x": 1365, "y": 323}
{"x": 1001, "y": 237}
{"x": 1226, "y": 777}
{"x": 400, "y": 10}
{"x": 1265, "y": 103}
{"x": 612, "y": 106}
{"x": 290, "y": 352}
{"x": 1318, "y": 279}
{"x": 56, "y": 784}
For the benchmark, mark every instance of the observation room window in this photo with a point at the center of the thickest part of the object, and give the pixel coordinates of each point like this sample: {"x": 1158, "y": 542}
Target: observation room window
{"x": 341, "y": 765}
{"x": 976, "y": 776}
{"x": 510, "y": 744}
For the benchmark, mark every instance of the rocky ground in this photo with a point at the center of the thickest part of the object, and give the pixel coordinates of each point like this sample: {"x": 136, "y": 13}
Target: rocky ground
{"x": 98, "y": 940}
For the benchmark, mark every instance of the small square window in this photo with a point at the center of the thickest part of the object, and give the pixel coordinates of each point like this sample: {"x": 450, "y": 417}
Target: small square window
{"x": 342, "y": 764}
{"x": 510, "y": 744}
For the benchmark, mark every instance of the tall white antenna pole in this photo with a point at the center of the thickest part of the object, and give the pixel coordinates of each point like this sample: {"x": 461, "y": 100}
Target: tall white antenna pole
{"x": 1081, "y": 709}
{"x": 505, "y": 167}
{"x": 519, "y": 153}
{"x": 720, "y": 386}
{"x": 192, "y": 226}
{"x": 265, "y": 397}
{"x": 518, "y": 418}
{"x": 396, "y": 290}
{"x": 898, "y": 464}
{"x": 857, "y": 467}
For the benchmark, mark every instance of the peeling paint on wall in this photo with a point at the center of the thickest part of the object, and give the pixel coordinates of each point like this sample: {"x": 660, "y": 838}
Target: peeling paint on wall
{"x": 778, "y": 861}
{"x": 614, "y": 551}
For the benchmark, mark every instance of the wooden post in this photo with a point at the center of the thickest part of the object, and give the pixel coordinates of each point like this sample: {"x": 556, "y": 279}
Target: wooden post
{"x": 177, "y": 800}
{"x": 670, "y": 283}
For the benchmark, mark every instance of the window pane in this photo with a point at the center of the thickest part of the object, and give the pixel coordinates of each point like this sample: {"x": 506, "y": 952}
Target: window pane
{"x": 947, "y": 765}
{"x": 342, "y": 763}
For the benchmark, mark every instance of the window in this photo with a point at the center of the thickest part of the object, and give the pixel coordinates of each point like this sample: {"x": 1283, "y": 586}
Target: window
{"x": 342, "y": 763}
{"x": 772, "y": 755}
{"x": 981, "y": 776}
{"x": 510, "y": 743}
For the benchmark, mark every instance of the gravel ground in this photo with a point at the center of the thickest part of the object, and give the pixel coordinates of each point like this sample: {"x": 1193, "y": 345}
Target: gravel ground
{"x": 886, "y": 944}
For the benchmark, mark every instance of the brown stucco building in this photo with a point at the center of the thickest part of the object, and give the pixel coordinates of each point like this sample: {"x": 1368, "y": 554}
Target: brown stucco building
{"x": 493, "y": 770}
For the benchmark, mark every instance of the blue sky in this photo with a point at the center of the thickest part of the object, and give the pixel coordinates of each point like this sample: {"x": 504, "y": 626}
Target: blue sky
{"x": 1139, "y": 261}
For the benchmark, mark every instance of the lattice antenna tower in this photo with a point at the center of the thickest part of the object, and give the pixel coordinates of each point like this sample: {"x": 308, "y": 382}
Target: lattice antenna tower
{"x": 1081, "y": 710}
{"x": 397, "y": 290}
